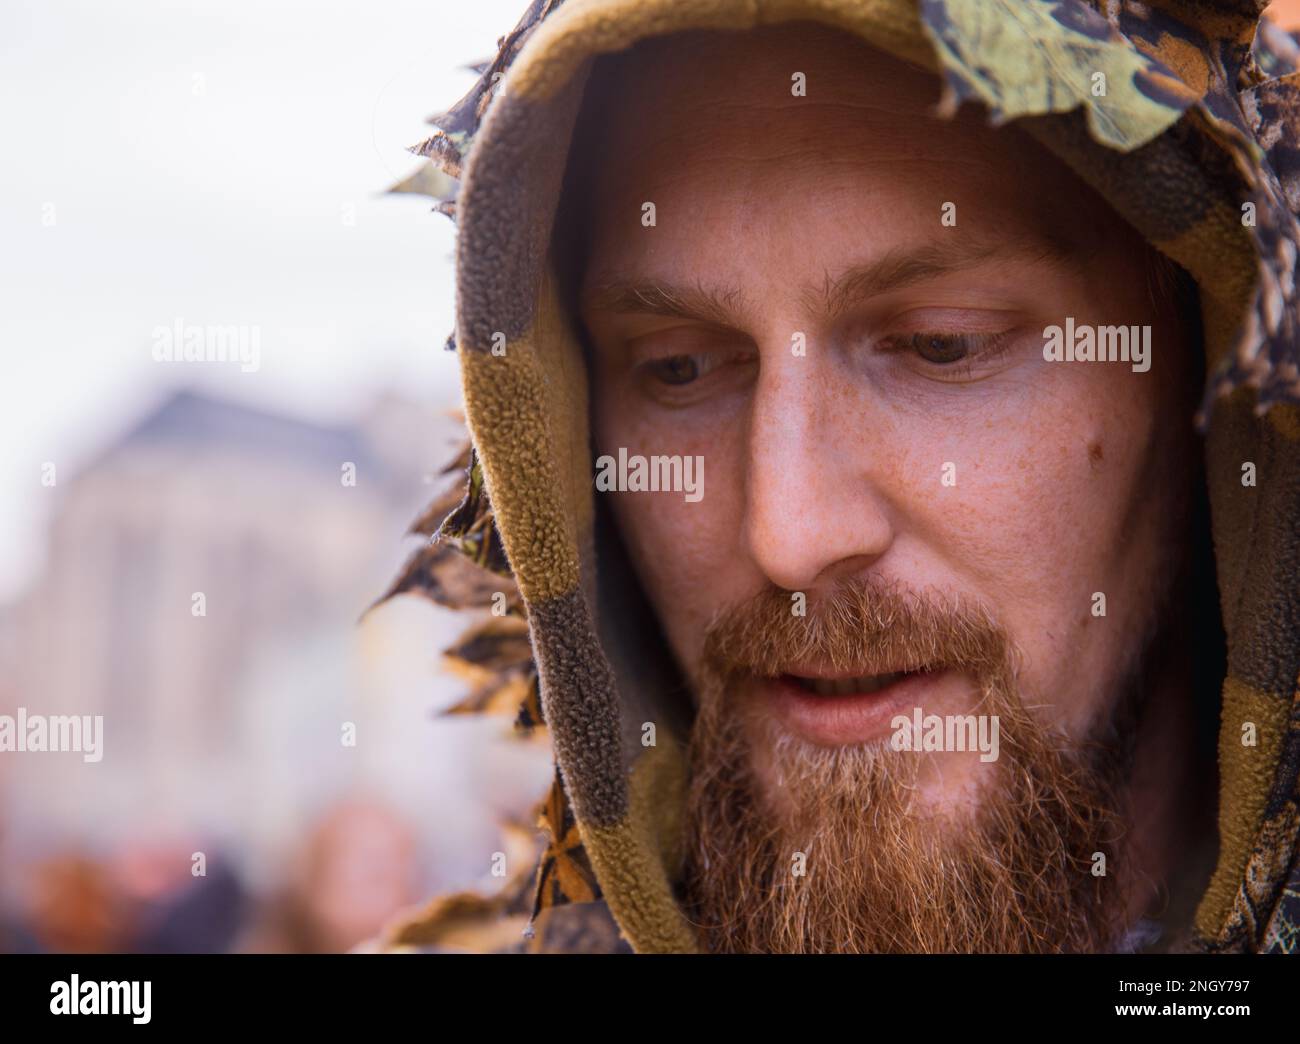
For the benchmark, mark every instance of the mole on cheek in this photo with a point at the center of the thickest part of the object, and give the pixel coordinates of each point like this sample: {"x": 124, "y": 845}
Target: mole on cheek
{"x": 1095, "y": 455}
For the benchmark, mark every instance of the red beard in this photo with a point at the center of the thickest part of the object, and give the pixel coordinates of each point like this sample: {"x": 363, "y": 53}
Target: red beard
{"x": 799, "y": 848}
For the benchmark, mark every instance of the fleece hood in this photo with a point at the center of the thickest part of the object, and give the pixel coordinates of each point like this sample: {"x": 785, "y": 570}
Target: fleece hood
{"x": 1194, "y": 144}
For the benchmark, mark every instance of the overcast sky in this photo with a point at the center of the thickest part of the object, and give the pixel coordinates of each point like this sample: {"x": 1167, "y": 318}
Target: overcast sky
{"x": 198, "y": 162}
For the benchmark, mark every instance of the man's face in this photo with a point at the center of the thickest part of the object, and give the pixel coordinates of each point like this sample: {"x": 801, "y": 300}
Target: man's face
{"x": 840, "y": 307}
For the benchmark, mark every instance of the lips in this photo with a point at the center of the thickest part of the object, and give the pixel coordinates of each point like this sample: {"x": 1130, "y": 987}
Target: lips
{"x": 847, "y": 709}
{"x": 866, "y": 683}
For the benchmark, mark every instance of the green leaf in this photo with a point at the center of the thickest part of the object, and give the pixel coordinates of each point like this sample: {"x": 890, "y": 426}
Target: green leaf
{"x": 1032, "y": 57}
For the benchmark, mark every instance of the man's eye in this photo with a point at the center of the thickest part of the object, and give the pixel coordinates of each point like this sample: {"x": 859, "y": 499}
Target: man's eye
{"x": 951, "y": 356}
{"x": 941, "y": 349}
{"x": 675, "y": 369}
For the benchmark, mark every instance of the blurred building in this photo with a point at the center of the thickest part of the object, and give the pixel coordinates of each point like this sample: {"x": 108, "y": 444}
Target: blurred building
{"x": 205, "y": 577}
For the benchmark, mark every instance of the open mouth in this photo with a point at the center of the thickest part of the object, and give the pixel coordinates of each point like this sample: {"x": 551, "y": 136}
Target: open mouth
{"x": 834, "y": 710}
{"x": 860, "y": 685}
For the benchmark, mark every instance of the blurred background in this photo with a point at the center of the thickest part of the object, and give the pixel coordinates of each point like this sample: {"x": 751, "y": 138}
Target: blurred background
{"x": 187, "y": 547}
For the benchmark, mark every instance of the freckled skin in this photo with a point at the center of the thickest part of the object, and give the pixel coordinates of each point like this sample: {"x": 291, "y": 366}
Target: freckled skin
{"x": 828, "y": 466}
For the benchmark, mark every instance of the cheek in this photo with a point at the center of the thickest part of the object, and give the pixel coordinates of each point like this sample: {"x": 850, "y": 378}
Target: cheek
{"x": 1049, "y": 512}
{"x": 683, "y": 551}
{"x": 680, "y": 553}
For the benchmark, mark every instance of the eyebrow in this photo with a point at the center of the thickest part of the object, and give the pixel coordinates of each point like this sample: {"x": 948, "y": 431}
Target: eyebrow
{"x": 896, "y": 270}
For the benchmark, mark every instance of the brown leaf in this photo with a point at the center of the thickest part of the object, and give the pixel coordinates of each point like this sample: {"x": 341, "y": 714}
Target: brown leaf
{"x": 565, "y": 874}
{"x": 442, "y": 152}
{"x": 428, "y": 181}
{"x": 498, "y": 697}
{"x": 494, "y": 648}
{"x": 470, "y": 527}
{"x": 472, "y": 921}
{"x": 530, "y": 710}
{"x": 432, "y": 517}
{"x": 442, "y": 574}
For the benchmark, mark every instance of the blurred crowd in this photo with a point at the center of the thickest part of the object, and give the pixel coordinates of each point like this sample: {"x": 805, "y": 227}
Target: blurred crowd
{"x": 353, "y": 869}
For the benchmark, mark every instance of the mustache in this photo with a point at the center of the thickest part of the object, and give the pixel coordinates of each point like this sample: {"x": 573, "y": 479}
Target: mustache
{"x": 861, "y": 627}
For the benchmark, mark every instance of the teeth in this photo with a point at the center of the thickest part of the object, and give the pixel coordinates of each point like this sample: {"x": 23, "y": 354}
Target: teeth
{"x": 845, "y": 686}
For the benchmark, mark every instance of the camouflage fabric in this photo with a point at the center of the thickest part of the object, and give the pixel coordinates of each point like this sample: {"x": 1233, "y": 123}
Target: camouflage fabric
{"x": 1193, "y": 141}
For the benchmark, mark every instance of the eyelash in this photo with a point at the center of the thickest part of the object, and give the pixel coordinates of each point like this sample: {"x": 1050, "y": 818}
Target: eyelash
{"x": 704, "y": 363}
{"x": 982, "y": 348}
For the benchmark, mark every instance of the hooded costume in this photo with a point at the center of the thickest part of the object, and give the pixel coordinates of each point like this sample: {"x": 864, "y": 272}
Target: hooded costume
{"x": 1193, "y": 141}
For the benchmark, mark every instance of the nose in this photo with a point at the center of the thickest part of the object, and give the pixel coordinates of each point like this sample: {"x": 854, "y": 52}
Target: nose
{"x": 814, "y": 507}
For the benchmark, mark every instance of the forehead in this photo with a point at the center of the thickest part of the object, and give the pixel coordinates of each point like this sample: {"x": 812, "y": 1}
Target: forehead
{"x": 741, "y": 77}
{"x": 706, "y": 126}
